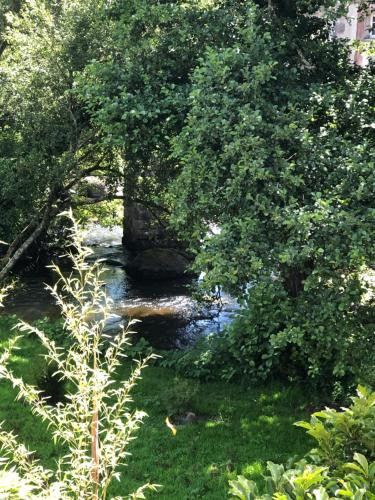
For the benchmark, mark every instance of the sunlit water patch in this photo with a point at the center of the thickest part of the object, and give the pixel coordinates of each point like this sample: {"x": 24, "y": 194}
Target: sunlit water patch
{"x": 169, "y": 316}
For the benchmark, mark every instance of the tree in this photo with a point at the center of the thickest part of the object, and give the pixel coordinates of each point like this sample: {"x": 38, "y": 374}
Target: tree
{"x": 276, "y": 149}
{"x": 137, "y": 91}
{"x": 46, "y": 142}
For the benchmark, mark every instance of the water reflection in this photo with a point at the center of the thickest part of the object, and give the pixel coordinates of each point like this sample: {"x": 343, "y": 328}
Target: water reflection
{"x": 170, "y": 316}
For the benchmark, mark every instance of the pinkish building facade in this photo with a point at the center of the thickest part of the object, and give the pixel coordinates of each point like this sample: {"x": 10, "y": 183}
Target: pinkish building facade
{"x": 357, "y": 26}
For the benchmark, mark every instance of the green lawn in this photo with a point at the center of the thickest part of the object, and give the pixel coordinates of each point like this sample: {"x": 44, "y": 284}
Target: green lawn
{"x": 240, "y": 429}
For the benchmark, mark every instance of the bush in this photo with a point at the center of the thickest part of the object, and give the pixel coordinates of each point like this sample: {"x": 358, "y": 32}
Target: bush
{"x": 341, "y": 433}
{"x": 306, "y": 481}
{"x": 296, "y": 339}
{"x": 327, "y": 471}
{"x": 301, "y": 338}
{"x": 95, "y": 422}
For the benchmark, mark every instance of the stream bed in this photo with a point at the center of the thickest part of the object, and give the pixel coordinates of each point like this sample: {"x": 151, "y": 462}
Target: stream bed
{"x": 170, "y": 317}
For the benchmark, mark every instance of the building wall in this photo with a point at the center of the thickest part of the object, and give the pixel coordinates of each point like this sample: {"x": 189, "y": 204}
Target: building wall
{"x": 347, "y": 28}
{"x": 356, "y": 27}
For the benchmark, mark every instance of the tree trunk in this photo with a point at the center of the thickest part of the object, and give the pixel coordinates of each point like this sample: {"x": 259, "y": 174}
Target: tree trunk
{"x": 30, "y": 234}
{"x": 294, "y": 279}
{"x": 57, "y": 199}
{"x": 18, "y": 241}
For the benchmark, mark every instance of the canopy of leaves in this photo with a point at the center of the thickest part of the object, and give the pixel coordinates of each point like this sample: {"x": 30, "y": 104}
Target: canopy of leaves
{"x": 137, "y": 91}
{"x": 278, "y": 143}
{"x": 44, "y": 136}
{"x": 278, "y": 153}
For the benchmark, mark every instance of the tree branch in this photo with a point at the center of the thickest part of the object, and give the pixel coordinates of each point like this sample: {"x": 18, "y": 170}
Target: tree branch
{"x": 23, "y": 246}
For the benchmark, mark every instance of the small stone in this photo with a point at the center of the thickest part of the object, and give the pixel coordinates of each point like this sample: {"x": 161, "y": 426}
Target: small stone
{"x": 189, "y": 418}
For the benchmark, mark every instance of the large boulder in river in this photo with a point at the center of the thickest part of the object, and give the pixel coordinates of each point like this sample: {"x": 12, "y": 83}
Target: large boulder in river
{"x": 143, "y": 229}
{"x": 159, "y": 263}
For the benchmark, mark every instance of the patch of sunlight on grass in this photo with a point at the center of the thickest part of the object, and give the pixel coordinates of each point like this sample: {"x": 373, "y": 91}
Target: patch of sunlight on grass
{"x": 214, "y": 423}
{"x": 248, "y": 425}
{"x": 211, "y": 469}
{"x": 266, "y": 419}
{"x": 254, "y": 469}
{"x": 265, "y": 398}
{"x": 245, "y": 424}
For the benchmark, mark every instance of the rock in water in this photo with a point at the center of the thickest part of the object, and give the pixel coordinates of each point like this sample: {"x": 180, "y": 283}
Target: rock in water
{"x": 142, "y": 230}
{"x": 159, "y": 263}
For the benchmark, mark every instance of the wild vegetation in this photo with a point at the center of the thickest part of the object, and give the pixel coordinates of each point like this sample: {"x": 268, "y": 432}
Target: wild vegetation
{"x": 326, "y": 472}
{"x": 247, "y": 131}
{"x": 94, "y": 421}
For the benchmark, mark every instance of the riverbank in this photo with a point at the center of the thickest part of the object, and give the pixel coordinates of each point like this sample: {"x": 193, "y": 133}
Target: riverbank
{"x": 234, "y": 429}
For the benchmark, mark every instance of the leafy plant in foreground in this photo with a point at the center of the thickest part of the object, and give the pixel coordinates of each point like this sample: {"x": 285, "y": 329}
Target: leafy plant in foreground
{"x": 306, "y": 481}
{"x": 95, "y": 423}
{"x": 341, "y": 433}
{"x": 327, "y": 471}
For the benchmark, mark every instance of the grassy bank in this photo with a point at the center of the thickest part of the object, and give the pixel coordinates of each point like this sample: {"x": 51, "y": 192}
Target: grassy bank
{"x": 238, "y": 428}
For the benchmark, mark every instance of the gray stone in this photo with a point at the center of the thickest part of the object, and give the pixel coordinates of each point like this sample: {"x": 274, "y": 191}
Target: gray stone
{"x": 189, "y": 418}
{"x": 159, "y": 263}
{"x": 95, "y": 189}
{"x": 143, "y": 230}
{"x": 113, "y": 263}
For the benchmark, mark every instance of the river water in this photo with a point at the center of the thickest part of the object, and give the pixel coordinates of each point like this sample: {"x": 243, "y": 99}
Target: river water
{"x": 170, "y": 317}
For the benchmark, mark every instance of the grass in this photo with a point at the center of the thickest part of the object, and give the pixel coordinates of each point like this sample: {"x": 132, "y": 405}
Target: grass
{"x": 244, "y": 427}
{"x": 240, "y": 428}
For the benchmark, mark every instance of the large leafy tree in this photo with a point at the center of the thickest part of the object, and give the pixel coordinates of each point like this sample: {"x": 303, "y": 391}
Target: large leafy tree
{"x": 137, "y": 89}
{"x": 137, "y": 92}
{"x": 47, "y": 144}
{"x": 278, "y": 152}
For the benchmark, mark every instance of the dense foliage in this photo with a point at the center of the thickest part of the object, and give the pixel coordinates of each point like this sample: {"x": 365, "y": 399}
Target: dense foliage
{"x": 6, "y": 7}
{"x": 46, "y": 143}
{"x": 327, "y": 471}
{"x": 137, "y": 91}
{"x": 311, "y": 482}
{"x": 244, "y": 123}
{"x": 248, "y": 129}
{"x": 278, "y": 152}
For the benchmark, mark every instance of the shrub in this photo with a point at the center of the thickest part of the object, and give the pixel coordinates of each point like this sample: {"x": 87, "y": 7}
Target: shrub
{"x": 326, "y": 472}
{"x": 95, "y": 422}
{"x": 296, "y": 339}
{"x": 300, "y": 338}
{"x": 306, "y": 481}
{"x": 341, "y": 433}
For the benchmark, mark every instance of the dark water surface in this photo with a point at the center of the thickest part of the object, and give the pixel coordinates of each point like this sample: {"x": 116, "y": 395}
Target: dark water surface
{"x": 170, "y": 316}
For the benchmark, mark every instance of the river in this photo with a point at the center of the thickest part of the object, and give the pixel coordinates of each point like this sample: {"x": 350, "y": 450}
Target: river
{"x": 170, "y": 317}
